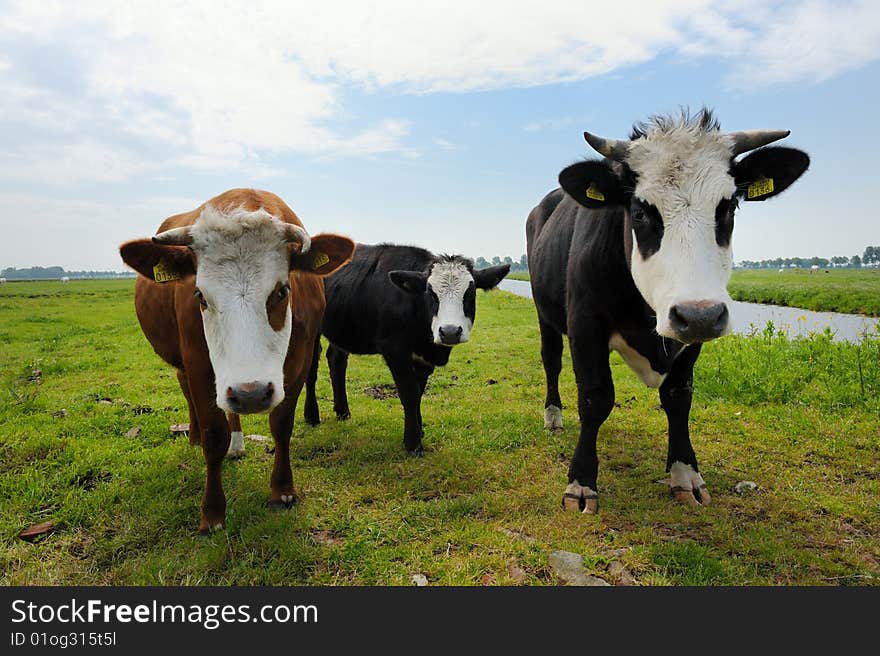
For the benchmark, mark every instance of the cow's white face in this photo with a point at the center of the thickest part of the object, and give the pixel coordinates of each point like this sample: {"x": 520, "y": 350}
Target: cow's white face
{"x": 243, "y": 288}
{"x": 452, "y": 295}
{"x": 681, "y": 217}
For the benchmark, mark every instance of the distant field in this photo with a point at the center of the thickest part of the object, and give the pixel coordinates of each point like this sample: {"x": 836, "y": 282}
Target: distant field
{"x": 854, "y": 291}
{"x": 799, "y": 418}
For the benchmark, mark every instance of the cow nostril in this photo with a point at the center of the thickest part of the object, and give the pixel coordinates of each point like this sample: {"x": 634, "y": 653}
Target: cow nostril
{"x": 722, "y": 318}
{"x": 270, "y": 390}
{"x": 230, "y": 395}
{"x": 677, "y": 319}
{"x": 459, "y": 331}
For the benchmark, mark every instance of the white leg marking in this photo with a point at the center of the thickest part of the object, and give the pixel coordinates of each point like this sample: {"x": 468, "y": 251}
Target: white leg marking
{"x": 552, "y": 417}
{"x": 236, "y": 445}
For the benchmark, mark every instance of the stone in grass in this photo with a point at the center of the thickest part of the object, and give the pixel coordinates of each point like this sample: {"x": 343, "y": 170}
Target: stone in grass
{"x": 620, "y": 574}
{"x": 570, "y": 568}
{"x": 133, "y": 433}
{"x": 516, "y": 573}
{"x": 61, "y": 414}
{"x": 32, "y": 533}
{"x": 179, "y": 429}
{"x": 744, "y": 487}
{"x": 420, "y": 580}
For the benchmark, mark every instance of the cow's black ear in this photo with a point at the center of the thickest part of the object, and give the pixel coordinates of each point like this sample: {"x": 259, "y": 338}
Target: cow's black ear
{"x": 769, "y": 171}
{"x": 491, "y": 276}
{"x": 592, "y": 184}
{"x": 413, "y": 282}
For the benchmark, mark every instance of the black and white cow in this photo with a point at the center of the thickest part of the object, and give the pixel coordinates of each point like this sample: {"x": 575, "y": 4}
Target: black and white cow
{"x": 407, "y": 304}
{"x": 633, "y": 254}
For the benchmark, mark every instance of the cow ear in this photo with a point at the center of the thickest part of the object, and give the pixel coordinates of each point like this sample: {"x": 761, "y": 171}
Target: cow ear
{"x": 769, "y": 171}
{"x": 592, "y": 184}
{"x": 327, "y": 254}
{"x": 414, "y": 282}
{"x": 488, "y": 278}
{"x": 158, "y": 262}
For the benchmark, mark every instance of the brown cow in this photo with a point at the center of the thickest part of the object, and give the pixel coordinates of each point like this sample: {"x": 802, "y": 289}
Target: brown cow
{"x": 231, "y": 294}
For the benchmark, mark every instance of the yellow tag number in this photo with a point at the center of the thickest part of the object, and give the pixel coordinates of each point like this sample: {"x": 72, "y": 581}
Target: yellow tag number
{"x": 760, "y": 188}
{"x": 320, "y": 260}
{"x": 594, "y": 193}
{"x": 161, "y": 273}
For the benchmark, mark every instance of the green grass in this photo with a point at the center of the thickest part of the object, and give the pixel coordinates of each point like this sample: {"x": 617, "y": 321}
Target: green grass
{"x": 854, "y": 291}
{"x": 519, "y": 275}
{"x": 797, "y": 417}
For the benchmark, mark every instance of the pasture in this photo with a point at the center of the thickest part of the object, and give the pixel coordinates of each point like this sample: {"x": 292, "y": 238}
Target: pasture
{"x": 799, "y": 418}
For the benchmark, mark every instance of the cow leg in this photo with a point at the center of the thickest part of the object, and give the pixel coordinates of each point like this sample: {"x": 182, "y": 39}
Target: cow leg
{"x": 195, "y": 435}
{"x": 337, "y": 360}
{"x": 215, "y": 440}
{"x": 686, "y": 483}
{"x": 236, "y": 437}
{"x": 311, "y": 414}
{"x": 589, "y": 353}
{"x": 409, "y": 392}
{"x": 423, "y": 371}
{"x": 551, "y": 356}
{"x": 281, "y": 423}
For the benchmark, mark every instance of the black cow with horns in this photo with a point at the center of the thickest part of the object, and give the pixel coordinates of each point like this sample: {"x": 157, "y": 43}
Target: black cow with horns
{"x": 633, "y": 254}
{"x": 409, "y": 305}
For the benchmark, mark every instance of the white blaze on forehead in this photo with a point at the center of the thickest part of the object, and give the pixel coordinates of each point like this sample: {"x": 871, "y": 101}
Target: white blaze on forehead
{"x": 241, "y": 257}
{"x": 683, "y": 172}
{"x": 449, "y": 280}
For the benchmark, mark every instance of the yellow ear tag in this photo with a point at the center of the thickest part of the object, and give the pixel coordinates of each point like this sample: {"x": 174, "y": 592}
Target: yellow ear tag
{"x": 319, "y": 260}
{"x": 594, "y": 193}
{"x": 760, "y": 188}
{"x": 161, "y": 273}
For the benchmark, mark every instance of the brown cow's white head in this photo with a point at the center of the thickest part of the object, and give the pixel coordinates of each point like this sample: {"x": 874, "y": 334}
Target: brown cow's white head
{"x": 242, "y": 262}
{"x": 679, "y": 184}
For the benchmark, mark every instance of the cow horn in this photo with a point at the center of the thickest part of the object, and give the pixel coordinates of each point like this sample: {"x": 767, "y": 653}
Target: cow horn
{"x": 174, "y": 237}
{"x": 297, "y": 235}
{"x": 751, "y": 139}
{"x": 612, "y": 148}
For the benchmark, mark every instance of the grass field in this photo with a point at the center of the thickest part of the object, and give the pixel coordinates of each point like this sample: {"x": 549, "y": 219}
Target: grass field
{"x": 855, "y": 291}
{"x": 799, "y": 418}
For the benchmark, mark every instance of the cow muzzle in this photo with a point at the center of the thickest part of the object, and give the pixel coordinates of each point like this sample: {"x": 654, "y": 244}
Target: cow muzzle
{"x": 451, "y": 334}
{"x": 249, "y": 398}
{"x": 698, "y": 321}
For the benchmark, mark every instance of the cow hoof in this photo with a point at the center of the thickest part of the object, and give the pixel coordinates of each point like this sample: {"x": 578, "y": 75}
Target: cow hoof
{"x": 236, "y": 445}
{"x": 313, "y": 421}
{"x": 207, "y": 528}
{"x": 552, "y": 418}
{"x": 687, "y": 486}
{"x": 284, "y": 502}
{"x": 417, "y": 452}
{"x": 578, "y": 497}
{"x": 343, "y": 416}
{"x": 235, "y": 454}
{"x": 692, "y": 497}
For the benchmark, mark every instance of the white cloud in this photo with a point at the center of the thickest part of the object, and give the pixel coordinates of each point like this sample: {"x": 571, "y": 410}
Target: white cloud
{"x": 229, "y": 85}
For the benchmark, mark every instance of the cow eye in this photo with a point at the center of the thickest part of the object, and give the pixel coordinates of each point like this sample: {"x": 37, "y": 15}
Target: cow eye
{"x": 282, "y": 292}
{"x": 201, "y": 298}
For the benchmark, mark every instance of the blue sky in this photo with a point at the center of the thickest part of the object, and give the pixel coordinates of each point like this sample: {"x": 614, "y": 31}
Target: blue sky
{"x": 440, "y": 126}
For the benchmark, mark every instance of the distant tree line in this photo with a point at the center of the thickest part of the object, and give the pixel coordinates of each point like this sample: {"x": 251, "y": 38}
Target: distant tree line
{"x": 521, "y": 265}
{"x": 870, "y": 258}
{"x": 55, "y": 272}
